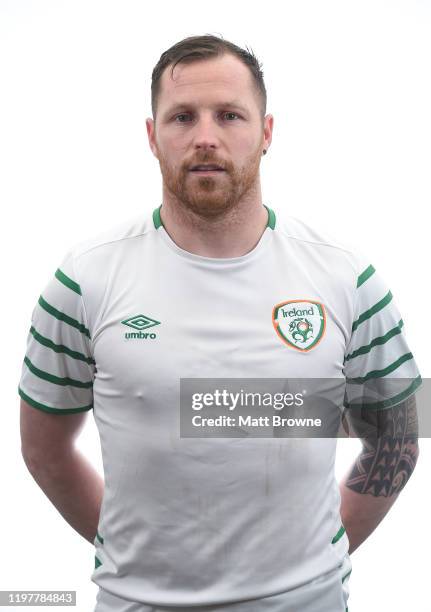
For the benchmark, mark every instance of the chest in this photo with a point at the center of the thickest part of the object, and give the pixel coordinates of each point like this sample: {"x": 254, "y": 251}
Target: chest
{"x": 155, "y": 326}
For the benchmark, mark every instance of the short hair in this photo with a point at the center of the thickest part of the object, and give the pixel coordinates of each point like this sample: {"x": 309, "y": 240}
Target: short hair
{"x": 195, "y": 48}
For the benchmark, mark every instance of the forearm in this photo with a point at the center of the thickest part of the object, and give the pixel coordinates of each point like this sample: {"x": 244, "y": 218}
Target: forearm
{"x": 372, "y": 486}
{"x": 388, "y": 457}
{"x": 361, "y": 512}
{"x": 73, "y": 486}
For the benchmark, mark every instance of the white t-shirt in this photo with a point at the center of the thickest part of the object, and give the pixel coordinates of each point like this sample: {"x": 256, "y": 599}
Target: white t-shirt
{"x": 195, "y": 521}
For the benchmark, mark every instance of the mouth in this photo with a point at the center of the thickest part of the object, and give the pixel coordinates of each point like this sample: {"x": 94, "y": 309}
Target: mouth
{"x": 210, "y": 169}
{"x": 207, "y": 171}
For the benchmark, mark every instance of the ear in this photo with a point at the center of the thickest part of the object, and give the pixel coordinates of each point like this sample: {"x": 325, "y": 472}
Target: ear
{"x": 267, "y": 131}
{"x": 150, "y": 125}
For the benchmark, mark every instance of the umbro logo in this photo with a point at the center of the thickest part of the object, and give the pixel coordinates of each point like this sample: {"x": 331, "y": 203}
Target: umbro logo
{"x": 140, "y": 322}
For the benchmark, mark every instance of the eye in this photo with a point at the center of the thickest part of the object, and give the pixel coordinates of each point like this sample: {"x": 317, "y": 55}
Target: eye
{"x": 185, "y": 115}
{"x": 230, "y": 113}
{"x": 181, "y": 115}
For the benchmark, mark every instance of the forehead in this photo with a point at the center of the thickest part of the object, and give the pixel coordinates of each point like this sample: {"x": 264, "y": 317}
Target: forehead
{"x": 221, "y": 76}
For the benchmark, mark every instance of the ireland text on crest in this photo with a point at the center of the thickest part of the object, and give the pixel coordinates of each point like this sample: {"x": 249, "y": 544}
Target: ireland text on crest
{"x": 300, "y": 324}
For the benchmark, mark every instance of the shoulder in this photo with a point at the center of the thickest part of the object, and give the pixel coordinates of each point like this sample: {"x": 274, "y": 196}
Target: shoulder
{"x": 91, "y": 262}
{"x": 321, "y": 246}
{"x": 116, "y": 237}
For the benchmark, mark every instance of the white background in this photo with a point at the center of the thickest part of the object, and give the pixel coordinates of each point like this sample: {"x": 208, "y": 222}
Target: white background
{"x": 349, "y": 87}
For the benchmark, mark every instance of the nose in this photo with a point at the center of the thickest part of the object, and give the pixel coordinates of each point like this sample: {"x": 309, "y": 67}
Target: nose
{"x": 206, "y": 133}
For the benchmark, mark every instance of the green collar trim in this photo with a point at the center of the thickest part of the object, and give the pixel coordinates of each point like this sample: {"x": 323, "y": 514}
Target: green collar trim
{"x": 271, "y": 218}
{"x": 157, "y": 220}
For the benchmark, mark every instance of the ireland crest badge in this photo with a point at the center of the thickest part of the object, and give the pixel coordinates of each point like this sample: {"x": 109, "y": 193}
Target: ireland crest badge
{"x": 300, "y": 324}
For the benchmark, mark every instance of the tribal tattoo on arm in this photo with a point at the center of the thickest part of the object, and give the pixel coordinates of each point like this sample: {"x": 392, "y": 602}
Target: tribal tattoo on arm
{"x": 389, "y": 448}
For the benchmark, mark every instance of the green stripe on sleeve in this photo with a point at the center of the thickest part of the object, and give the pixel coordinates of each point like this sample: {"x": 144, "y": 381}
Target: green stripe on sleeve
{"x": 97, "y": 562}
{"x": 68, "y": 282}
{"x": 345, "y": 576}
{"x": 392, "y": 401}
{"x": 56, "y": 379}
{"x": 61, "y": 316}
{"x": 365, "y": 275}
{"x": 50, "y": 409}
{"x": 362, "y": 350}
{"x": 60, "y": 348}
{"x": 338, "y": 535}
{"x": 99, "y": 537}
{"x": 372, "y": 311}
{"x": 379, "y": 373}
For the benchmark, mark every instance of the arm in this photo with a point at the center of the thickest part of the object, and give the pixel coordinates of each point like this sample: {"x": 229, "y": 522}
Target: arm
{"x": 381, "y": 470}
{"x": 61, "y": 471}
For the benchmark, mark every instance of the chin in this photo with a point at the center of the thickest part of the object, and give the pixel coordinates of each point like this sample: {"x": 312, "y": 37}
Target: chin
{"x": 208, "y": 209}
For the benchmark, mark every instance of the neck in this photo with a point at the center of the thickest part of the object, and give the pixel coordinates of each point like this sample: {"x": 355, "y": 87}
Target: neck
{"x": 233, "y": 234}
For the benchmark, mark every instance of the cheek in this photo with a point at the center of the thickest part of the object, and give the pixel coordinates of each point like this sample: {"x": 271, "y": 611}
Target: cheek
{"x": 167, "y": 144}
{"x": 248, "y": 149}
{"x": 169, "y": 157}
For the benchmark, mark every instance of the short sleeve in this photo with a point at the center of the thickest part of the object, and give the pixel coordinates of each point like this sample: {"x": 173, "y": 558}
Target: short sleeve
{"x": 379, "y": 367}
{"x": 58, "y": 368}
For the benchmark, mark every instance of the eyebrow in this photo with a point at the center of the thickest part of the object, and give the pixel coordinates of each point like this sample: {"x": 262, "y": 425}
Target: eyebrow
{"x": 183, "y": 105}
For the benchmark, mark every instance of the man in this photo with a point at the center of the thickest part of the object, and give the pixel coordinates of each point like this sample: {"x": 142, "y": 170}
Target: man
{"x": 212, "y": 284}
